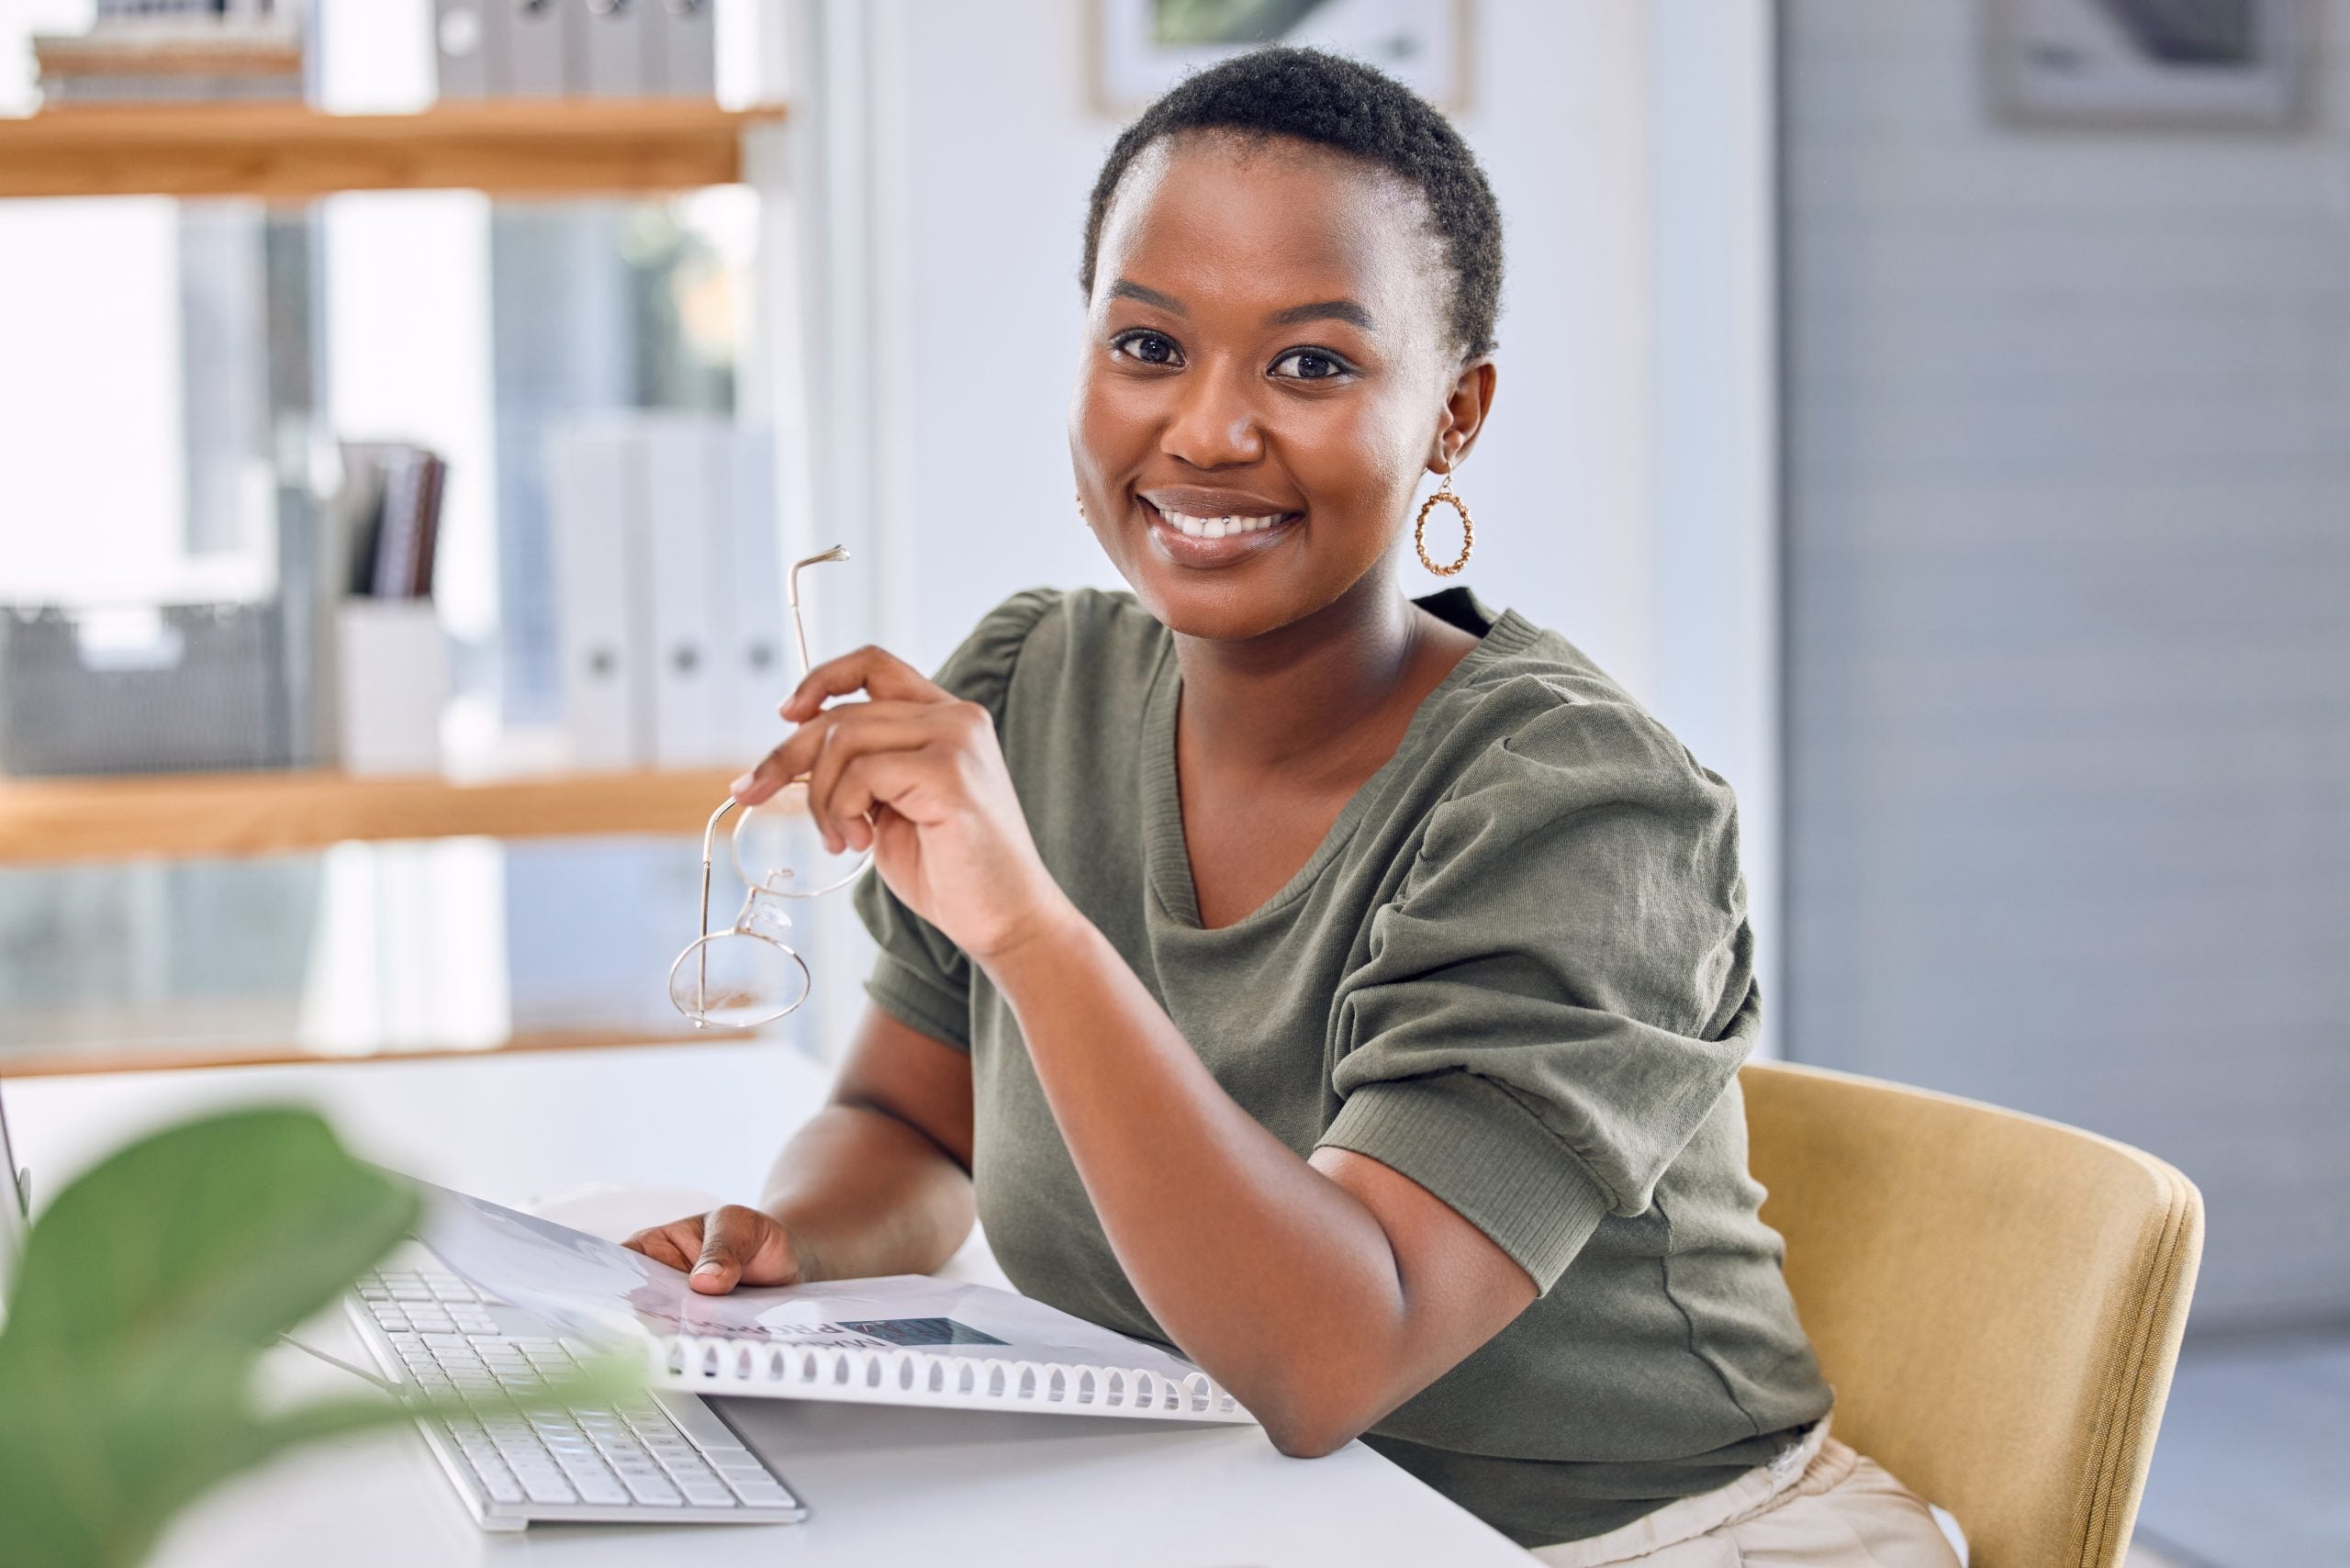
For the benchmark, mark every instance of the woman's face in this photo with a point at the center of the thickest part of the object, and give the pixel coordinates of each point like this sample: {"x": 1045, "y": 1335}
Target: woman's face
{"x": 1268, "y": 371}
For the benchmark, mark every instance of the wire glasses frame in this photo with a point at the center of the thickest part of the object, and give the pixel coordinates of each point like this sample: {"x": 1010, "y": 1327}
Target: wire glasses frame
{"x": 747, "y": 975}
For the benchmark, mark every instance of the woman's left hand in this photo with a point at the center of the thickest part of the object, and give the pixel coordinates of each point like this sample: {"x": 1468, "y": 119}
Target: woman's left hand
{"x": 916, "y": 776}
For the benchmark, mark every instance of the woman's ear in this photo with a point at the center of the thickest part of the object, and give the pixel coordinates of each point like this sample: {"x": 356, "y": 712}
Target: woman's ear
{"x": 1465, "y": 408}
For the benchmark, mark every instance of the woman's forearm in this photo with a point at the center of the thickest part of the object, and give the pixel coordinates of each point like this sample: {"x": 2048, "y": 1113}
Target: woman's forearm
{"x": 863, "y": 1193}
{"x": 1273, "y": 1277}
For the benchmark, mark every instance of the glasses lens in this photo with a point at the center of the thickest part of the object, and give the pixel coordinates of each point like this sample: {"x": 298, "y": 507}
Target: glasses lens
{"x": 779, "y": 850}
{"x": 733, "y": 981}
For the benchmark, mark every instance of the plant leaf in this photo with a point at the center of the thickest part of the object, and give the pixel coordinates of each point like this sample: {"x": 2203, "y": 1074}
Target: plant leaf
{"x": 237, "y": 1225}
{"x": 144, "y": 1295}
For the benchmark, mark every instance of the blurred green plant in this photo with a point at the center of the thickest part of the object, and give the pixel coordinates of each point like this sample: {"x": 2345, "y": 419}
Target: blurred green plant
{"x": 145, "y": 1296}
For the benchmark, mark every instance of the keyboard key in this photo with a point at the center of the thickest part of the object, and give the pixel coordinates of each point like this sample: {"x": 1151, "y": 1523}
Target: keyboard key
{"x": 549, "y": 1489}
{"x": 600, "y": 1487}
{"x": 710, "y": 1494}
{"x": 653, "y": 1489}
{"x": 761, "y": 1493}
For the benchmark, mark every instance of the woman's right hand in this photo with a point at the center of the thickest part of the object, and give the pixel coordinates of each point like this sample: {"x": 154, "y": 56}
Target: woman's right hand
{"x": 726, "y": 1248}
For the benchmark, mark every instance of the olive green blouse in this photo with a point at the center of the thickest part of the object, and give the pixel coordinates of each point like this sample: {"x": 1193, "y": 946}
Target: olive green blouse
{"x": 1516, "y": 970}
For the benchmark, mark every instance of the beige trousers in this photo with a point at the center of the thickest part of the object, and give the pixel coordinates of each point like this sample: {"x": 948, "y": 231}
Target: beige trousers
{"x": 1820, "y": 1505}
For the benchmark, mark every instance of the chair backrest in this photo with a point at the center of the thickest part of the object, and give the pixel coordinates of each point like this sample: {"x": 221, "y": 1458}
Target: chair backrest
{"x": 1997, "y": 1299}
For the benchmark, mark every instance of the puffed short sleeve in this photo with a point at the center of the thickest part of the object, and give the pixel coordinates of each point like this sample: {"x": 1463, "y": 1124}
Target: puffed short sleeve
{"x": 1560, "y": 990}
{"x": 921, "y": 977}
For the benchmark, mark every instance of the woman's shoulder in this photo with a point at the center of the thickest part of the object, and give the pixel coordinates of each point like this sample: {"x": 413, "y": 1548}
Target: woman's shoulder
{"x": 1053, "y": 635}
{"x": 1533, "y": 712}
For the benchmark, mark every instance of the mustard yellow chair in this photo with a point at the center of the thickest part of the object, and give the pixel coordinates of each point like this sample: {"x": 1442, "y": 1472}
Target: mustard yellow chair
{"x": 1997, "y": 1299}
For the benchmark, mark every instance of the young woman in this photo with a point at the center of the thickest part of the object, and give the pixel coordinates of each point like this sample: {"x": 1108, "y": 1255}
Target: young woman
{"x": 1345, "y": 988}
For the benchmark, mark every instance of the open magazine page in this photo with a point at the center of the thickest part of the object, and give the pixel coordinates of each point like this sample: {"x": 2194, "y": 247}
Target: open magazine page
{"x": 600, "y": 1290}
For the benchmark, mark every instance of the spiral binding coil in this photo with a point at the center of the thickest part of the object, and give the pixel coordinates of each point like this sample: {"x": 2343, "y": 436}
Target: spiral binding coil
{"x": 904, "y": 1376}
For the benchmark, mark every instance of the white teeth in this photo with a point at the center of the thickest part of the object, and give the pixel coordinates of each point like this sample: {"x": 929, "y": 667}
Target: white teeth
{"x": 1216, "y": 527}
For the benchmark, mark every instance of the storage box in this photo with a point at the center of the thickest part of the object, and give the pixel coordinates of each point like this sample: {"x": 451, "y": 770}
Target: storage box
{"x": 185, "y": 687}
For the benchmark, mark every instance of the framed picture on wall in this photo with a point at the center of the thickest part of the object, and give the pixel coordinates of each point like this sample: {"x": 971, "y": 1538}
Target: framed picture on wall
{"x": 2148, "y": 64}
{"x": 1141, "y": 47}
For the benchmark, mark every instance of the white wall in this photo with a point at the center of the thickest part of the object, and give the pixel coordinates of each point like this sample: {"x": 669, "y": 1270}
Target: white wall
{"x": 1623, "y": 489}
{"x": 2069, "y": 622}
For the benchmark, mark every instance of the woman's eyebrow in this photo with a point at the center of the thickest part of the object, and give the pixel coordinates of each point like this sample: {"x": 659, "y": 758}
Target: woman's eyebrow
{"x": 1126, "y": 288}
{"x": 1322, "y": 310}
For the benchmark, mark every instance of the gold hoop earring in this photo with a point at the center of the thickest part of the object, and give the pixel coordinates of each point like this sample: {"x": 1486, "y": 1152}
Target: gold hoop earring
{"x": 1468, "y": 530}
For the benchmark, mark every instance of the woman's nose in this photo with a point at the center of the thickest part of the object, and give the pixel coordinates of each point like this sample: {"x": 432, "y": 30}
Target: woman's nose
{"x": 1214, "y": 421}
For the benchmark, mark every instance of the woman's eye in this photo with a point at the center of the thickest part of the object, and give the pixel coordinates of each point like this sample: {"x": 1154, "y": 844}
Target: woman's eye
{"x": 1311, "y": 364}
{"x": 1151, "y": 348}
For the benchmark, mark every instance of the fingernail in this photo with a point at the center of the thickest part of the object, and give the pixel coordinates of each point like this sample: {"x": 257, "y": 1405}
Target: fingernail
{"x": 740, "y": 784}
{"x": 706, "y": 1268}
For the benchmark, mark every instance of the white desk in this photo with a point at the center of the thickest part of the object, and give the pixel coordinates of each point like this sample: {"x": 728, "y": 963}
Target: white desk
{"x": 888, "y": 1489}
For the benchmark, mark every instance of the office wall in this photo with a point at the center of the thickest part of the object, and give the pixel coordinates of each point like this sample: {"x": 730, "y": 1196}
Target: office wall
{"x": 2069, "y": 618}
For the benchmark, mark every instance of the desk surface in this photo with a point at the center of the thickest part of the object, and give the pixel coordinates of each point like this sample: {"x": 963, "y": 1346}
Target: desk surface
{"x": 884, "y": 1487}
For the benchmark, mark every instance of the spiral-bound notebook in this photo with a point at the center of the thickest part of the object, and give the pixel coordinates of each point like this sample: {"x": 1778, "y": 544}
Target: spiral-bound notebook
{"x": 901, "y": 1339}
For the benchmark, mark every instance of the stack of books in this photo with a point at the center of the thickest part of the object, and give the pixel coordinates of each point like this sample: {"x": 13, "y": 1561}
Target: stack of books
{"x": 176, "y": 51}
{"x": 391, "y": 518}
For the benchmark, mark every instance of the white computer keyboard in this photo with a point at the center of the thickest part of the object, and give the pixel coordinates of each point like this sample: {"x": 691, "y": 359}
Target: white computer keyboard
{"x": 658, "y": 1456}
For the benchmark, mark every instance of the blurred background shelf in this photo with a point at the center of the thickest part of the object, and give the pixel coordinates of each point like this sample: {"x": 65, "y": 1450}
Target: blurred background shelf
{"x": 294, "y": 152}
{"x": 180, "y": 816}
{"x": 36, "y": 1063}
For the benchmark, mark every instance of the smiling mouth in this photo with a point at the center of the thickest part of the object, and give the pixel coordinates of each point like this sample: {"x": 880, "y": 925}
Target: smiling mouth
{"x": 1211, "y": 528}
{"x": 1219, "y": 527}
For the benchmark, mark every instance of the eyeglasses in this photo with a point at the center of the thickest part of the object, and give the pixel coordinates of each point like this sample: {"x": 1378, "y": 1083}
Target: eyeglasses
{"x": 748, "y": 975}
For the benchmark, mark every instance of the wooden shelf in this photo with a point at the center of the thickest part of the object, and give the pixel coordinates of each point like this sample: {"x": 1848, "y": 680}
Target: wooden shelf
{"x": 161, "y": 1058}
{"x": 535, "y": 147}
{"x": 193, "y": 815}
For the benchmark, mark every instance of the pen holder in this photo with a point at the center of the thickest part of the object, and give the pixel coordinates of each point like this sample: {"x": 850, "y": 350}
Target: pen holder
{"x": 391, "y": 683}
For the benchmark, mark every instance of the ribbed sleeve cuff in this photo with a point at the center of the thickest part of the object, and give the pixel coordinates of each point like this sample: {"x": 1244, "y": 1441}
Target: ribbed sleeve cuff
{"x": 901, "y": 991}
{"x": 1485, "y": 1156}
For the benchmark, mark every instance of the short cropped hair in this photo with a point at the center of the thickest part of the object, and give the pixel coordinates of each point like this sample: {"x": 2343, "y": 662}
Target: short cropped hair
{"x": 1329, "y": 101}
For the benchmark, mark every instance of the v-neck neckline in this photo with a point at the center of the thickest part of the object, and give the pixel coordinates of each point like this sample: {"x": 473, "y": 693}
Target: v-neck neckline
{"x": 1166, "y": 849}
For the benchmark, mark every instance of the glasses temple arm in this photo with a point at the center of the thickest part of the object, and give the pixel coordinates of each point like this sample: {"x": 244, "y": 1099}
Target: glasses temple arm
{"x": 701, "y": 977}
{"x": 792, "y": 596}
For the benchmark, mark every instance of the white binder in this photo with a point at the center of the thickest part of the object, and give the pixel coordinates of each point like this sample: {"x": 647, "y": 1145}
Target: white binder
{"x": 470, "y": 43}
{"x": 537, "y": 47}
{"x": 759, "y": 647}
{"x": 595, "y": 474}
{"x": 686, "y": 542}
{"x": 613, "y": 47}
{"x": 687, "y": 50}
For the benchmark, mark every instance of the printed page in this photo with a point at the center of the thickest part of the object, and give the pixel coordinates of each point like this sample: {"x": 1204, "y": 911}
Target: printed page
{"x": 601, "y": 1291}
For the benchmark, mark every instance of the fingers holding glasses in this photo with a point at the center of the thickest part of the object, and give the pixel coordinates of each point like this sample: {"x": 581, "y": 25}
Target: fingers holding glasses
{"x": 859, "y": 733}
{"x": 876, "y": 671}
{"x": 798, "y": 754}
{"x": 916, "y": 783}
